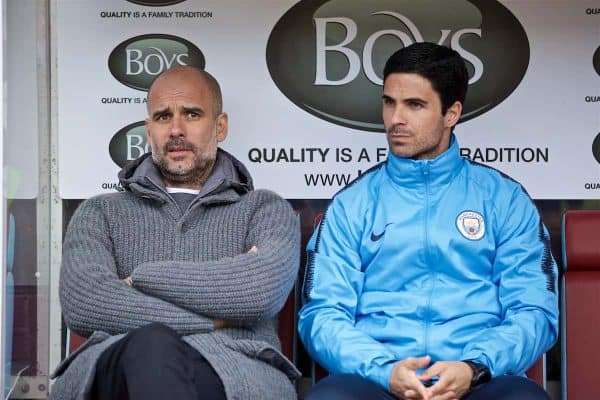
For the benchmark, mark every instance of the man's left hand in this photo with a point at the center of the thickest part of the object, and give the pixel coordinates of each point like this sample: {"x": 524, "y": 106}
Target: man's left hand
{"x": 454, "y": 376}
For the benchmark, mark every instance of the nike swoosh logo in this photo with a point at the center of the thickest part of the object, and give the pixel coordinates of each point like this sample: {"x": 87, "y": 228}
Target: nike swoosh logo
{"x": 375, "y": 237}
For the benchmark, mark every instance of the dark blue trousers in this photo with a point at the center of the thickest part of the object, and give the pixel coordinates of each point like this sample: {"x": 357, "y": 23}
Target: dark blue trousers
{"x": 353, "y": 387}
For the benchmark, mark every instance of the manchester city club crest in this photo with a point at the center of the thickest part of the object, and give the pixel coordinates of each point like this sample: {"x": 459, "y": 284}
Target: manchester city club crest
{"x": 471, "y": 225}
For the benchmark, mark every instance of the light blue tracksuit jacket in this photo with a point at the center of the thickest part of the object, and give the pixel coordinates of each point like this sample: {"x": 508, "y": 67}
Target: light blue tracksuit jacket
{"x": 439, "y": 257}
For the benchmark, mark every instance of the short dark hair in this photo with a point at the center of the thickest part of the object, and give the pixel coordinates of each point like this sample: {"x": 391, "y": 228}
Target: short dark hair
{"x": 211, "y": 83}
{"x": 443, "y": 67}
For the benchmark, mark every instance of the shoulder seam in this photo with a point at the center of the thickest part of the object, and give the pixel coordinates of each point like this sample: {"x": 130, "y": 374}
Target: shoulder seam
{"x": 371, "y": 170}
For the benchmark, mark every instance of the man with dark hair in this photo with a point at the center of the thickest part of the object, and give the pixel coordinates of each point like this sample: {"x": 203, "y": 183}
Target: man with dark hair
{"x": 429, "y": 277}
{"x": 177, "y": 280}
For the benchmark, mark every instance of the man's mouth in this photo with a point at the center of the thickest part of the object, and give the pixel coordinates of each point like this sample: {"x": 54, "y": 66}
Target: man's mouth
{"x": 177, "y": 149}
{"x": 399, "y": 135}
{"x": 398, "y": 132}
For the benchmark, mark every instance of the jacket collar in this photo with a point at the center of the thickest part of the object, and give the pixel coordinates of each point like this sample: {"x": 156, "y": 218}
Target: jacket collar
{"x": 228, "y": 180}
{"x": 439, "y": 171}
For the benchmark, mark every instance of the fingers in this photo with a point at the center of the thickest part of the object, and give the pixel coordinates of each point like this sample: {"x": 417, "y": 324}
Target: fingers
{"x": 412, "y": 395}
{"x": 219, "y": 323}
{"x": 415, "y": 363}
{"x": 454, "y": 377}
{"x": 128, "y": 281}
{"x": 450, "y": 395}
{"x": 417, "y": 386}
{"x": 446, "y": 379}
{"x": 253, "y": 249}
{"x": 404, "y": 382}
{"x": 419, "y": 393}
{"x": 435, "y": 370}
{"x": 422, "y": 391}
{"x": 442, "y": 386}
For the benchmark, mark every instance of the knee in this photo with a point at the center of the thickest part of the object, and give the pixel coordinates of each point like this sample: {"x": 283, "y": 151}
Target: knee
{"x": 528, "y": 389}
{"x": 152, "y": 331}
{"x": 524, "y": 388}
{"x": 346, "y": 386}
{"x": 151, "y": 340}
{"x": 509, "y": 387}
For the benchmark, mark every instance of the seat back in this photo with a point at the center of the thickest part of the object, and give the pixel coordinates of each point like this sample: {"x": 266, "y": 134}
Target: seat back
{"x": 73, "y": 341}
{"x": 580, "y": 304}
{"x": 537, "y": 372}
{"x": 288, "y": 317}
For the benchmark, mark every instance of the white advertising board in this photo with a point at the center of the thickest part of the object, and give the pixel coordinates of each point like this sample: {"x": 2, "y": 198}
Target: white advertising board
{"x": 301, "y": 83}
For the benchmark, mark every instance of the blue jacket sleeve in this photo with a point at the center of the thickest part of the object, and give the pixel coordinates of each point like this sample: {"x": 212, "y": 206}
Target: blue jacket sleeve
{"x": 332, "y": 287}
{"x": 526, "y": 274}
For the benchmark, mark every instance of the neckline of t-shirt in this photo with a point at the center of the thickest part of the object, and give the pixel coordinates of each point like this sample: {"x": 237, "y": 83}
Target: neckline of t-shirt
{"x": 182, "y": 190}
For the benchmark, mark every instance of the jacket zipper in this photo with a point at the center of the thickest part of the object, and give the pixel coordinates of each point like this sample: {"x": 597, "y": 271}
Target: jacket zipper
{"x": 432, "y": 272}
{"x": 168, "y": 195}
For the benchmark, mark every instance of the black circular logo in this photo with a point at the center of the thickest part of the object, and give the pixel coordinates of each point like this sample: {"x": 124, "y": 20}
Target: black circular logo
{"x": 326, "y": 56}
{"x": 137, "y": 61}
{"x": 596, "y": 60}
{"x": 128, "y": 143}
{"x": 596, "y": 148}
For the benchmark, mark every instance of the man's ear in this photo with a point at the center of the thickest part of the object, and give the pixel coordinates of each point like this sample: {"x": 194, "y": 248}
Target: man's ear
{"x": 222, "y": 126}
{"x": 452, "y": 114}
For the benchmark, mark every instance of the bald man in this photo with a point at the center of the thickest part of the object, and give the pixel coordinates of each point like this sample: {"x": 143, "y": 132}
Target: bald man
{"x": 177, "y": 279}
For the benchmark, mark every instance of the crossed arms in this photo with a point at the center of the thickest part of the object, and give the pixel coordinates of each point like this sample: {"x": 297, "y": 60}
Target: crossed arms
{"x": 186, "y": 296}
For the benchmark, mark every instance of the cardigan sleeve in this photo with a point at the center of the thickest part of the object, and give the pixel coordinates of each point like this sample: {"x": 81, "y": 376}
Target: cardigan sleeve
{"x": 246, "y": 287}
{"x": 94, "y": 298}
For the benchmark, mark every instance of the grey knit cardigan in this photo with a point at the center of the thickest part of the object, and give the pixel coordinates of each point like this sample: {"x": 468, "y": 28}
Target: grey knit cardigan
{"x": 188, "y": 266}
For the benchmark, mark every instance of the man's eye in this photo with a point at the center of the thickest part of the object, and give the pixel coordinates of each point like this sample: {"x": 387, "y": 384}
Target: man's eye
{"x": 163, "y": 117}
{"x": 193, "y": 114}
{"x": 415, "y": 104}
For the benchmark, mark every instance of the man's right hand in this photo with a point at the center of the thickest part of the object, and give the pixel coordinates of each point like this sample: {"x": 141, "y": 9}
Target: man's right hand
{"x": 220, "y": 324}
{"x": 404, "y": 382}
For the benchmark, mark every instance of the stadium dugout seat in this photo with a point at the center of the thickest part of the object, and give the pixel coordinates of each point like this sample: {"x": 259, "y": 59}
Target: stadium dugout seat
{"x": 580, "y": 305}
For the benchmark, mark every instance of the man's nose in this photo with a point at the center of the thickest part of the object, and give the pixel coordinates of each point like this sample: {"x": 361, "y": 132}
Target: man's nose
{"x": 399, "y": 116}
{"x": 176, "y": 127}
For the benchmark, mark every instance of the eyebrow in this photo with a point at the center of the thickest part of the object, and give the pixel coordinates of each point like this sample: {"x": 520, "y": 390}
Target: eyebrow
{"x": 415, "y": 100}
{"x": 196, "y": 110}
{"x": 167, "y": 110}
{"x": 407, "y": 100}
{"x": 160, "y": 112}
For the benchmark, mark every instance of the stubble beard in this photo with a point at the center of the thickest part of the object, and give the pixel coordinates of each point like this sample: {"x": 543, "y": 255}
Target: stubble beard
{"x": 418, "y": 148}
{"x": 406, "y": 150}
{"x": 194, "y": 175}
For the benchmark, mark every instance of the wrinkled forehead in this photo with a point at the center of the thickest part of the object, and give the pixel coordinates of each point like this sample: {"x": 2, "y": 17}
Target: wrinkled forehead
{"x": 179, "y": 88}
